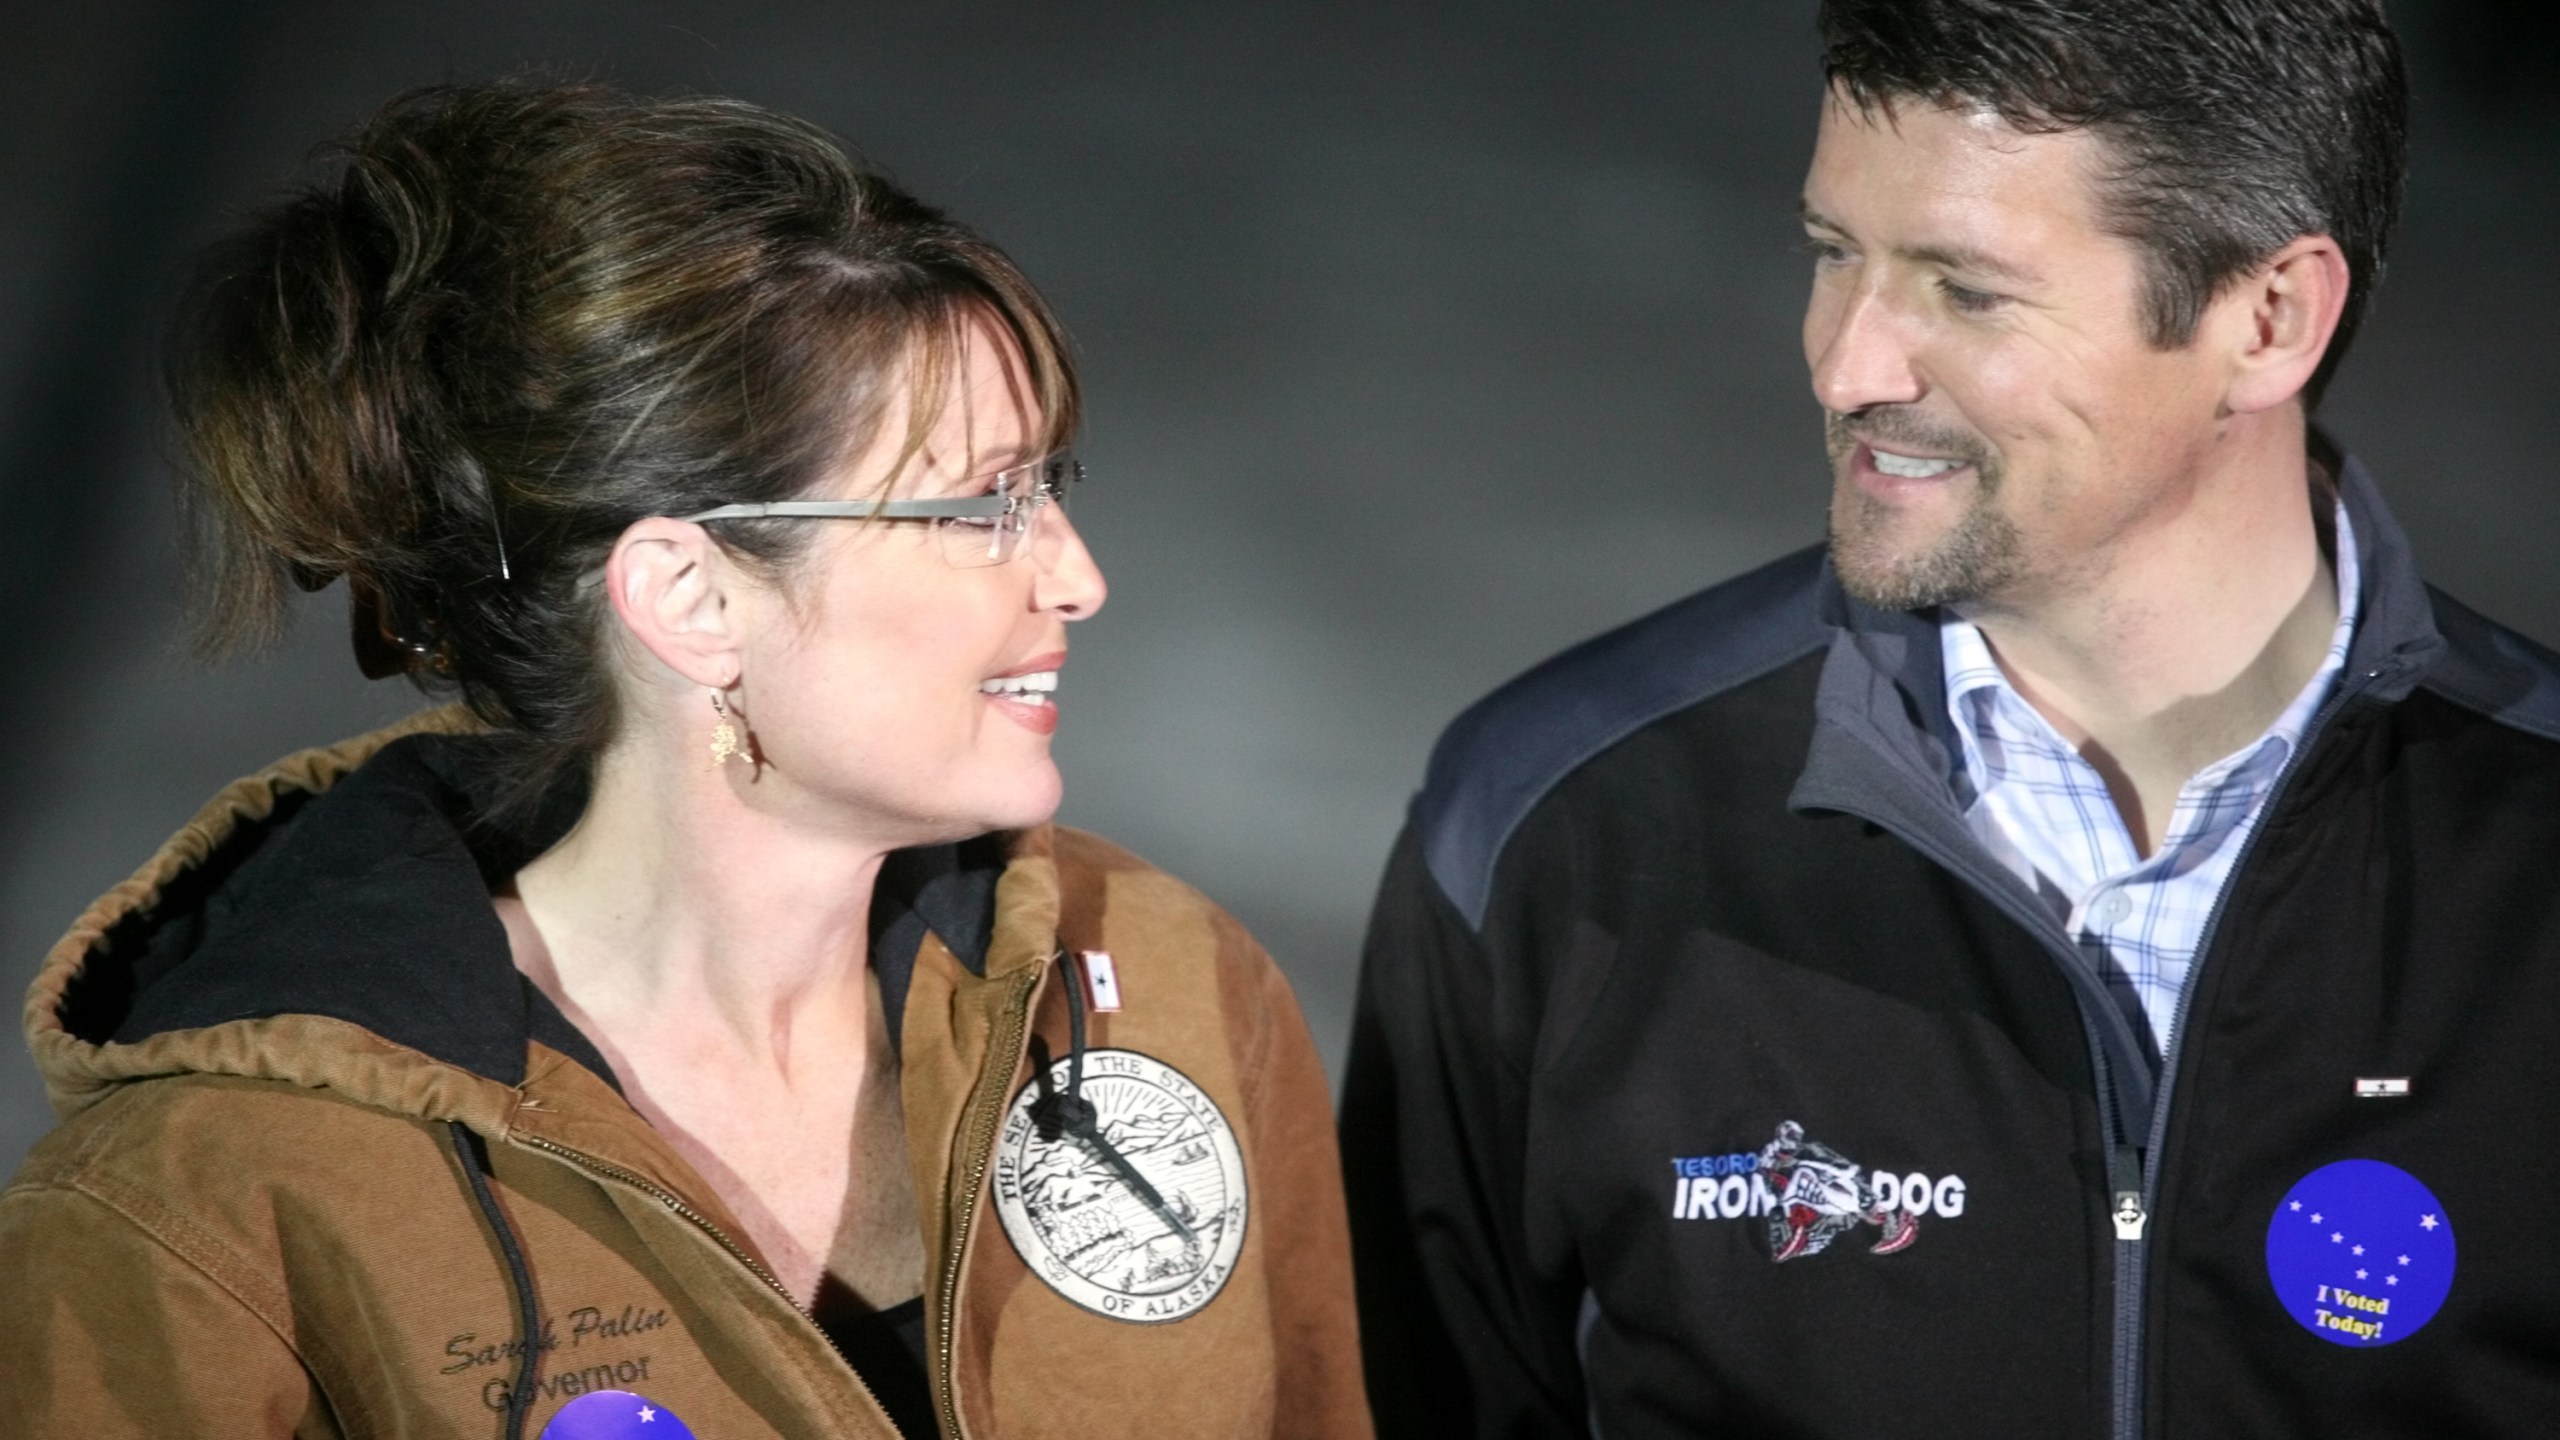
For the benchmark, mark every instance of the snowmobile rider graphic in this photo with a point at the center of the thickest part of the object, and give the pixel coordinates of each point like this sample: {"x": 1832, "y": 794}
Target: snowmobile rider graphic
{"x": 1820, "y": 1195}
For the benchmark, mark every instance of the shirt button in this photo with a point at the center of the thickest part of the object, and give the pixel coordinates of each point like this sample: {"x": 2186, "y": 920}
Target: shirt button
{"x": 2113, "y": 907}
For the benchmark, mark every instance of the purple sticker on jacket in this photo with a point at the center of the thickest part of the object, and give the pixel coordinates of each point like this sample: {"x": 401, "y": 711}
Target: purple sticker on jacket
{"x": 615, "y": 1415}
{"x": 2361, "y": 1253}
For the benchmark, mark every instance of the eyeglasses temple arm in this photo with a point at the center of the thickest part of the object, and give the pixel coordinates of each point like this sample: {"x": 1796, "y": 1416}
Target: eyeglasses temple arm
{"x": 973, "y": 507}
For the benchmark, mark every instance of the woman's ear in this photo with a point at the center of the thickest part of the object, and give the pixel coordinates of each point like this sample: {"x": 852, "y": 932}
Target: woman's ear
{"x": 671, "y": 588}
{"x": 2281, "y": 317}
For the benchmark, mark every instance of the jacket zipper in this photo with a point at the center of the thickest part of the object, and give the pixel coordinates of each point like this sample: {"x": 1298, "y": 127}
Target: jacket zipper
{"x": 700, "y": 1222}
{"x": 2132, "y": 1216}
{"x": 977, "y": 1148}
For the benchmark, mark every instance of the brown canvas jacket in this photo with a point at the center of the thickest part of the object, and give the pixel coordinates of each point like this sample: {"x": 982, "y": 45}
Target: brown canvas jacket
{"x": 265, "y": 1226}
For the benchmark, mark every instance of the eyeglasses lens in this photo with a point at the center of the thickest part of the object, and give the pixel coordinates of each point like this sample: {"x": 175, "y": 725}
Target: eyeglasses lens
{"x": 1027, "y": 490}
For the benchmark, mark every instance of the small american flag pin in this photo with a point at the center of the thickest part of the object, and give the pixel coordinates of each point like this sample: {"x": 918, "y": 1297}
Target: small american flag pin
{"x": 1103, "y": 982}
{"x": 2382, "y": 1087}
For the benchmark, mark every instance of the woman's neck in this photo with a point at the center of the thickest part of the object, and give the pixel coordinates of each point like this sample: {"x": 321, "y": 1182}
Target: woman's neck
{"x": 678, "y": 917}
{"x": 714, "y": 945}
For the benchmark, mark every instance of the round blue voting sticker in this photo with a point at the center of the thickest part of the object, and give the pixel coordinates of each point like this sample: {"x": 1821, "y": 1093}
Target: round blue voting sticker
{"x": 615, "y": 1415}
{"x": 2361, "y": 1253}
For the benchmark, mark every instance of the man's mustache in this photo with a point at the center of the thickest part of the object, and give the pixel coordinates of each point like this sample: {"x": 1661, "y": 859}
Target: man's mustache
{"x": 1893, "y": 425}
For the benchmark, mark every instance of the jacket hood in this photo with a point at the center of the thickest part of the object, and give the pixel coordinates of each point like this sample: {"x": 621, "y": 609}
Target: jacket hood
{"x": 327, "y": 922}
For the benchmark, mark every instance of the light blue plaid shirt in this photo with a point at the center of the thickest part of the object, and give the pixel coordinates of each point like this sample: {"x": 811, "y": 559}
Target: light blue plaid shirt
{"x": 2045, "y": 813}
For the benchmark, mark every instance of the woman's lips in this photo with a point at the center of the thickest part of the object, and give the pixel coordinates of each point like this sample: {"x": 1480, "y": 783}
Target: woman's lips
{"x": 1040, "y": 716}
{"x": 1027, "y": 694}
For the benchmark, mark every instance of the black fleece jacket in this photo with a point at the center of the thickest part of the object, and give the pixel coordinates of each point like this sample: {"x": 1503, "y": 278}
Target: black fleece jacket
{"x": 1709, "y": 1078}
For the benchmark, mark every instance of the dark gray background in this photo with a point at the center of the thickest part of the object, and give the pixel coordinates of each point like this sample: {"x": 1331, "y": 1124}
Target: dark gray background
{"x": 1421, "y": 340}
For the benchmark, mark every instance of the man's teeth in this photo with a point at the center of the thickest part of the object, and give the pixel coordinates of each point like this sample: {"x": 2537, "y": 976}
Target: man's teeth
{"x": 1033, "y": 688}
{"x": 1911, "y": 467}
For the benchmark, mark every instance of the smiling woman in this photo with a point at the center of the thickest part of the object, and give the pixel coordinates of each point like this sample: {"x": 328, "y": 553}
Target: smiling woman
{"x": 704, "y": 1007}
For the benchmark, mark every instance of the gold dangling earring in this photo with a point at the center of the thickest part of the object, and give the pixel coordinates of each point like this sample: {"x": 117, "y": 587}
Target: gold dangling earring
{"x": 724, "y": 736}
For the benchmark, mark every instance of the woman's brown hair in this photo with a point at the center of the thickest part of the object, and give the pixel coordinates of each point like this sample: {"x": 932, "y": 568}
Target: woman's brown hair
{"x": 517, "y": 318}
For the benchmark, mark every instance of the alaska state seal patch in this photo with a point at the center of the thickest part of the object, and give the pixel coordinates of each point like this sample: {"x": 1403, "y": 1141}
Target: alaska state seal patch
{"x": 1141, "y": 1216}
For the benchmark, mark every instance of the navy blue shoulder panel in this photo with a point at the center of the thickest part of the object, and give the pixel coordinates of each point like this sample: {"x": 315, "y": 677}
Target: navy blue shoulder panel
{"x": 2489, "y": 668}
{"x": 1500, "y": 758}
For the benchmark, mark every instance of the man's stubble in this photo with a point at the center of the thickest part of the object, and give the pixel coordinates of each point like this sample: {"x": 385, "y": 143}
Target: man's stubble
{"x": 1976, "y": 559}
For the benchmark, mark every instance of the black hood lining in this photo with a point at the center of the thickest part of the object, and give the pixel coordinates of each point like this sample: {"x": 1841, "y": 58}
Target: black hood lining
{"x": 369, "y": 903}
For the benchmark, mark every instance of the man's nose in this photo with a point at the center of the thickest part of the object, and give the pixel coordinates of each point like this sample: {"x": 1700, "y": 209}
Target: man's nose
{"x": 1861, "y": 355}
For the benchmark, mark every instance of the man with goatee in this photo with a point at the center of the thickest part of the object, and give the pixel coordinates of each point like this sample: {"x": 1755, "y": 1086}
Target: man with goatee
{"x": 2050, "y": 963}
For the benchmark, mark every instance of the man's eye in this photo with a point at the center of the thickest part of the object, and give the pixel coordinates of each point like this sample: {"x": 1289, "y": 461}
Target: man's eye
{"x": 1969, "y": 300}
{"x": 1826, "y": 253}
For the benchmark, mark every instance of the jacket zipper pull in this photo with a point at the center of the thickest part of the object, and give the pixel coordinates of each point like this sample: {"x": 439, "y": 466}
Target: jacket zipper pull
{"x": 2125, "y": 1170}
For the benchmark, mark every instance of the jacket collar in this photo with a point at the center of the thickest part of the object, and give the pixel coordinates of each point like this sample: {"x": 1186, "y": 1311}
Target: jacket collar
{"x": 992, "y": 902}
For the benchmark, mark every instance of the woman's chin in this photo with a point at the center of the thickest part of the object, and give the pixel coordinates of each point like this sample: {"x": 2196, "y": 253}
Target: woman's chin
{"x": 1031, "y": 801}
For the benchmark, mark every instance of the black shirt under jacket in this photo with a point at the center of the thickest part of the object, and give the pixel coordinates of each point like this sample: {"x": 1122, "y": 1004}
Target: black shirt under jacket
{"x": 1708, "y": 1078}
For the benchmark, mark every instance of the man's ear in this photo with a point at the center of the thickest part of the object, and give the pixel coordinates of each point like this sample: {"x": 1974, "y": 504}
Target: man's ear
{"x": 671, "y": 589}
{"x": 2279, "y": 319}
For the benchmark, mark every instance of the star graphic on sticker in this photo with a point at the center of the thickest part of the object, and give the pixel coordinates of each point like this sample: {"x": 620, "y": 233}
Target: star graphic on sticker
{"x": 2359, "y": 1274}
{"x": 2315, "y": 1217}
{"x": 2426, "y": 1222}
{"x": 2403, "y": 1260}
{"x": 648, "y": 1416}
{"x": 2359, "y": 1249}
{"x": 2297, "y": 1204}
{"x": 2390, "y": 1279}
{"x": 2335, "y": 1238}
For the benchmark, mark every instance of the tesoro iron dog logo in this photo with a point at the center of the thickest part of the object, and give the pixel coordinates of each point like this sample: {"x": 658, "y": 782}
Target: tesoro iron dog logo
{"x": 1809, "y": 1195}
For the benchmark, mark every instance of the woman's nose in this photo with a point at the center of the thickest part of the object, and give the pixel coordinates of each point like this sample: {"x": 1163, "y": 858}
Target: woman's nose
{"x": 1069, "y": 581}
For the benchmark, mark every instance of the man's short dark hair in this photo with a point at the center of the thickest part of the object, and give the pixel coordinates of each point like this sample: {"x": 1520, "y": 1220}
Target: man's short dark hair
{"x": 2236, "y": 126}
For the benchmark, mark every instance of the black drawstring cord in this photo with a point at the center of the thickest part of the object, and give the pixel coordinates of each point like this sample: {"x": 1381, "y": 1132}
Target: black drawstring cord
{"x": 1075, "y": 1039}
{"x": 1067, "y": 1112}
{"x": 475, "y": 1164}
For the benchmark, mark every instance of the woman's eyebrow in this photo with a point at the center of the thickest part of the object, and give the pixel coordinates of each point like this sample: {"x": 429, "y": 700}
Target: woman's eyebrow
{"x": 978, "y": 464}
